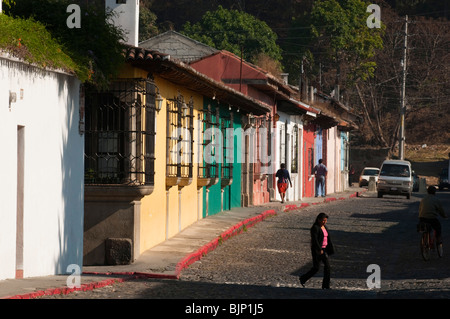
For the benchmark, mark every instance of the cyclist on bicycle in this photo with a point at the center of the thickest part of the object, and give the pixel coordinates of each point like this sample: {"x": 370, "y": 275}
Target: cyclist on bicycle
{"x": 429, "y": 209}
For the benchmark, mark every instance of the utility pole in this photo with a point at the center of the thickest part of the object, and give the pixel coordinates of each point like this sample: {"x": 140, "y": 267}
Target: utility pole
{"x": 401, "y": 145}
{"x": 301, "y": 81}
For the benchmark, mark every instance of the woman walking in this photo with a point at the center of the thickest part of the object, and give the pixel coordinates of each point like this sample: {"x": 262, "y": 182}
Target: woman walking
{"x": 321, "y": 247}
{"x": 283, "y": 179}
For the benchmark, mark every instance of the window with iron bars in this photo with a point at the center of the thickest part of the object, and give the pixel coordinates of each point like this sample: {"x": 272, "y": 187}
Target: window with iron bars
{"x": 294, "y": 149}
{"x": 261, "y": 141}
{"x": 228, "y": 147}
{"x": 180, "y": 130}
{"x": 283, "y": 143}
{"x": 120, "y": 133}
{"x": 208, "y": 144}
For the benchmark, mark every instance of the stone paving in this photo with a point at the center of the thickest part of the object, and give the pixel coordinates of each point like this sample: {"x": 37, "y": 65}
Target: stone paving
{"x": 265, "y": 261}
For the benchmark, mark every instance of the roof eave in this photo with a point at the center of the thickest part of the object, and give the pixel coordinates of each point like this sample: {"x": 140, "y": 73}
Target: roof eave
{"x": 178, "y": 72}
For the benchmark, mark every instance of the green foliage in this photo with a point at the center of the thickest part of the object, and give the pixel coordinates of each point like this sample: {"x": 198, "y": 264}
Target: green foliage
{"x": 29, "y": 40}
{"x": 233, "y": 30}
{"x": 95, "y": 47}
{"x": 147, "y": 23}
{"x": 343, "y": 24}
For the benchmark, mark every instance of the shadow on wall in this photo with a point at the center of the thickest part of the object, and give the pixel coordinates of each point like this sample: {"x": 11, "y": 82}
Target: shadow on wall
{"x": 70, "y": 221}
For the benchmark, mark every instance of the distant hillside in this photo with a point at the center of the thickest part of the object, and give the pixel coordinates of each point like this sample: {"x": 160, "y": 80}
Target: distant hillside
{"x": 428, "y": 126}
{"x": 428, "y": 160}
{"x": 428, "y": 82}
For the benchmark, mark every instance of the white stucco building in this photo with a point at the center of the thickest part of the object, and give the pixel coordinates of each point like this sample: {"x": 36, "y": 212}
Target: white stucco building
{"x": 41, "y": 190}
{"x": 289, "y": 143}
{"x": 126, "y": 15}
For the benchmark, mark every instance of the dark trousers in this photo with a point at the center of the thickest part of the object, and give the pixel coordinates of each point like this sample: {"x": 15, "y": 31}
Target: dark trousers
{"x": 317, "y": 259}
{"x": 435, "y": 224}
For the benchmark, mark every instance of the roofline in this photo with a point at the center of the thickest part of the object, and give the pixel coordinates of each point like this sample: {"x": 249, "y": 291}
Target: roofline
{"x": 5, "y": 55}
{"x": 160, "y": 63}
{"x": 179, "y": 34}
{"x": 217, "y": 85}
{"x": 265, "y": 73}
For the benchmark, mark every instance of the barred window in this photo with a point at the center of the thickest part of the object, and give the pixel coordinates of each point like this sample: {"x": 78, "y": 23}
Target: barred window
{"x": 294, "y": 148}
{"x": 228, "y": 147}
{"x": 120, "y": 133}
{"x": 209, "y": 144}
{"x": 180, "y": 127}
{"x": 283, "y": 143}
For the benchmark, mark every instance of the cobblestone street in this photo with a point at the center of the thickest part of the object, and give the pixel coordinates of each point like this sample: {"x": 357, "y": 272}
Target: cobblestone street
{"x": 266, "y": 260}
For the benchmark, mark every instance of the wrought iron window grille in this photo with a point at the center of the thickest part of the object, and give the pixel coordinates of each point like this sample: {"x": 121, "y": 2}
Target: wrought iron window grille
{"x": 295, "y": 150}
{"x": 261, "y": 142}
{"x": 180, "y": 130}
{"x": 228, "y": 147}
{"x": 209, "y": 121}
{"x": 120, "y": 133}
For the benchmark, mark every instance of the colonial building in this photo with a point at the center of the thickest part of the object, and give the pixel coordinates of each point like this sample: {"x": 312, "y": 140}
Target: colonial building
{"x": 338, "y": 122}
{"x": 178, "y": 46}
{"x": 41, "y": 195}
{"x": 188, "y": 131}
{"x": 298, "y": 130}
{"x": 156, "y": 149}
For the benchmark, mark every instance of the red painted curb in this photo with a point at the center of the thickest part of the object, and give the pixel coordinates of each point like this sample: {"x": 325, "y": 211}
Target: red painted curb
{"x": 232, "y": 231}
{"x": 235, "y": 230}
{"x": 290, "y": 207}
{"x": 67, "y": 290}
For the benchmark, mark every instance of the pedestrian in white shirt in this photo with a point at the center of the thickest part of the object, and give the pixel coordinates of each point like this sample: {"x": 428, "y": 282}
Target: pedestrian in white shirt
{"x": 320, "y": 171}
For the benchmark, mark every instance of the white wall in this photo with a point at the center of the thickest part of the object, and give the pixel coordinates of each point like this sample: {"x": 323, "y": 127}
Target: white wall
{"x": 332, "y": 160}
{"x": 47, "y": 107}
{"x": 293, "y": 193}
{"x": 127, "y": 18}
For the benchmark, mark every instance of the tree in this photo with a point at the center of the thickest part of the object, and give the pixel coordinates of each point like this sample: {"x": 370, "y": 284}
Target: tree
{"x": 339, "y": 29}
{"x": 234, "y": 30}
{"x": 427, "y": 84}
{"x": 147, "y": 23}
{"x": 96, "y": 47}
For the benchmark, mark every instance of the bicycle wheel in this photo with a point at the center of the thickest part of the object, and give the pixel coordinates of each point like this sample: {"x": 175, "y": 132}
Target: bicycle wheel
{"x": 424, "y": 246}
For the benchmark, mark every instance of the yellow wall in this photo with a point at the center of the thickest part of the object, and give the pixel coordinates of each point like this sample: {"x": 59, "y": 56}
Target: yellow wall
{"x": 154, "y": 206}
{"x": 130, "y": 72}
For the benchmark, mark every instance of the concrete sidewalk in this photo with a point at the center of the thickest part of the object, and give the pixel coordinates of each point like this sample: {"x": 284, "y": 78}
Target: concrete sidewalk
{"x": 167, "y": 259}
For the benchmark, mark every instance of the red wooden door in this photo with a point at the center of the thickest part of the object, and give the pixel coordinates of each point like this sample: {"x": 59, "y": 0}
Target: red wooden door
{"x": 308, "y": 161}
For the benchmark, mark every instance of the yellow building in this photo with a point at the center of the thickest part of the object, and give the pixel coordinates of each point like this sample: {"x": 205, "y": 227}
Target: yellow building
{"x": 144, "y": 154}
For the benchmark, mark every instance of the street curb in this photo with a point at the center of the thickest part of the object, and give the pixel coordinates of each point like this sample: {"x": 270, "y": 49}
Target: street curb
{"x": 292, "y": 207}
{"x": 232, "y": 231}
{"x": 67, "y": 290}
{"x": 182, "y": 264}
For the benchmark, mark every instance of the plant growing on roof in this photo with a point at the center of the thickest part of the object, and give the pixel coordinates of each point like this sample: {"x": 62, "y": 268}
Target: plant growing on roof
{"x": 29, "y": 40}
{"x": 96, "y": 47}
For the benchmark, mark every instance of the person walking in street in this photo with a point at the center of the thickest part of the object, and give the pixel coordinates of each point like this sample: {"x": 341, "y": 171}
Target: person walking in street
{"x": 351, "y": 172}
{"x": 321, "y": 248}
{"x": 283, "y": 179}
{"x": 429, "y": 209}
{"x": 320, "y": 171}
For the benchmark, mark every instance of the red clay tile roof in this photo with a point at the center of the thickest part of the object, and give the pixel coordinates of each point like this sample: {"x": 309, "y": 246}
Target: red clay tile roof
{"x": 178, "y": 72}
{"x": 136, "y": 53}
